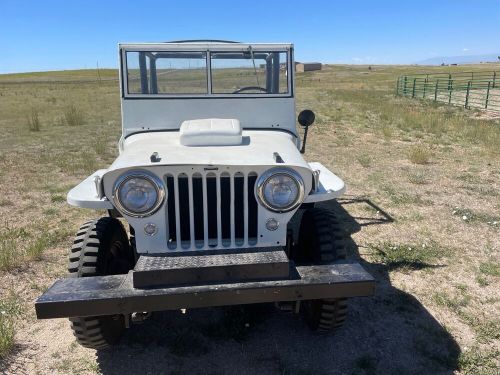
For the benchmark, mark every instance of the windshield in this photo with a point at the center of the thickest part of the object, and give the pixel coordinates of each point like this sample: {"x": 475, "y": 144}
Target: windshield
{"x": 187, "y": 73}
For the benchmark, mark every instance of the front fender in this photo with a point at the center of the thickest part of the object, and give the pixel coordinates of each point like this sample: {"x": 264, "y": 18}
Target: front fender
{"x": 85, "y": 194}
{"x": 329, "y": 187}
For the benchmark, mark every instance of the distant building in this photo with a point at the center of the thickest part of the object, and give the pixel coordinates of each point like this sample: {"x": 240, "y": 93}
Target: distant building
{"x": 307, "y": 67}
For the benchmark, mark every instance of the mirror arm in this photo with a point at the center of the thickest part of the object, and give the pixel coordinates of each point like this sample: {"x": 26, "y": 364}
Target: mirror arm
{"x": 303, "y": 149}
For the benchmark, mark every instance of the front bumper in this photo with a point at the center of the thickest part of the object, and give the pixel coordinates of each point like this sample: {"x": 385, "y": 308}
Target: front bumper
{"x": 110, "y": 295}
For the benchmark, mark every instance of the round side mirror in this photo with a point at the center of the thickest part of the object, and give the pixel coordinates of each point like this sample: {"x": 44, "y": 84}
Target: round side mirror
{"x": 306, "y": 117}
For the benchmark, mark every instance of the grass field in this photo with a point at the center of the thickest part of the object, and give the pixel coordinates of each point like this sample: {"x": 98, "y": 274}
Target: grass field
{"x": 423, "y": 207}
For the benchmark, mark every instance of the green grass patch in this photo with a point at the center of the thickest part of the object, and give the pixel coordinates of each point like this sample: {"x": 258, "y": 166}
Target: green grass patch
{"x": 7, "y": 333}
{"x": 480, "y": 362}
{"x": 401, "y": 197}
{"x": 18, "y": 245}
{"x": 10, "y": 307}
{"x": 454, "y": 303}
{"x": 486, "y": 329}
{"x": 470, "y": 216}
{"x": 407, "y": 257}
{"x": 490, "y": 268}
{"x": 37, "y": 247}
{"x": 10, "y": 253}
{"x": 57, "y": 198}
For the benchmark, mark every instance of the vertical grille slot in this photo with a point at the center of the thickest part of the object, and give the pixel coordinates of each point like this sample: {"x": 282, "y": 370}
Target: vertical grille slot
{"x": 212, "y": 209}
{"x": 225, "y": 208}
{"x": 184, "y": 218}
{"x": 252, "y": 209}
{"x": 172, "y": 228}
{"x": 239, "y": 209}
{"x": 209, "y": 210}
{"x": 198, "y": 211}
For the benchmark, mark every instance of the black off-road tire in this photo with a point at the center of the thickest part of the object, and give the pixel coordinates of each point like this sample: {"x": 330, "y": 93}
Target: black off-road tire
{"x": 321, "y": 241}
{"x": 101, "y": 247}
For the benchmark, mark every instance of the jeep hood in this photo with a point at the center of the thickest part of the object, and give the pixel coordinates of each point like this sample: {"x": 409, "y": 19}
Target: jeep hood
{"x": 258, "y": 147}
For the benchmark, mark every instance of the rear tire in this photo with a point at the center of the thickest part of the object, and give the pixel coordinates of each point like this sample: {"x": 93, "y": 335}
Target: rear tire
{"x": 101, "y": 247}
{"x": 321, "y": 241}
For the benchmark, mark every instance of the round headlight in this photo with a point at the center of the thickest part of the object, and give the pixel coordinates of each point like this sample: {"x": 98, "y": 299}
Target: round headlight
{"x": 138, "y": 194}
{"x": 280, "y": 190}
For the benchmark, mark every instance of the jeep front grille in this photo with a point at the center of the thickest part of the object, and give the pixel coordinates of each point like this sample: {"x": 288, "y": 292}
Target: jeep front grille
{"x": 211, "y": 210}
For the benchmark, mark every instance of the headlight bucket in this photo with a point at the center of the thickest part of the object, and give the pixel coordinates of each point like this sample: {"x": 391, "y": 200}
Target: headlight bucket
{"x": 280, "y": 184}
{"x": 145, "y": 188}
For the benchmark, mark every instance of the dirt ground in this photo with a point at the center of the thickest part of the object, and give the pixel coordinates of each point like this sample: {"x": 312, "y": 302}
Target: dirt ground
{"x": 380, "y": 336}
{"x": 422, "y": 207}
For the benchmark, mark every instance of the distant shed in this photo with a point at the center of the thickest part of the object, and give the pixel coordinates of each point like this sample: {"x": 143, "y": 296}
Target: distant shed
{"x": 307, "y": 67}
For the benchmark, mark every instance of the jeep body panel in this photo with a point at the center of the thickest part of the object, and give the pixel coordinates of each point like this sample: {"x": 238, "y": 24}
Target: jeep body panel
{"x": 257, "y": 148}
{"x": 153, "y": 111}
{"x": 208, "y": 177}
{"x": 330, "y": 186}
{"x": 86, "y": 194}
{"x": 160, "y": 111}
{"x": 156, "y": 115}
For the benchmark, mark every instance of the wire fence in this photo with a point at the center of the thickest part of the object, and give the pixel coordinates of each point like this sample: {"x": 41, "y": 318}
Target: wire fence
{"x": 468, "y": 89}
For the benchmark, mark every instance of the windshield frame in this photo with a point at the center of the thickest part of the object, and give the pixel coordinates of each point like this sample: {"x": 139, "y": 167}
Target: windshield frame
{"x": 208, "y": 48}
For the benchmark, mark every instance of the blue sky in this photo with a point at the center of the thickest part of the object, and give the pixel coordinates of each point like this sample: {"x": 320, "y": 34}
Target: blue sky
{"x": 52, "y": 35}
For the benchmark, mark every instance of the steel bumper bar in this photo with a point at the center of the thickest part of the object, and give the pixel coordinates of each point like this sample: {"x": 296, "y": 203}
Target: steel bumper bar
{"x": 109, "y": 295}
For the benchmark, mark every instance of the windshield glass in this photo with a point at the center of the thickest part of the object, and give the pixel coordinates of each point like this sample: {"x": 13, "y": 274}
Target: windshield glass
{"x": 186, "y": 73}
{"x": 167, "y": 73}
{"x": 249, "y": 72}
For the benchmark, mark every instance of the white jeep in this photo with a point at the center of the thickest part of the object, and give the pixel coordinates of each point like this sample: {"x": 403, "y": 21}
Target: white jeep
{"x": 209, "y": 175}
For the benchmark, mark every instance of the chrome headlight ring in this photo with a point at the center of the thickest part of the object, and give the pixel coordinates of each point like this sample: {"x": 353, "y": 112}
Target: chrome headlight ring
{"x": 264, "y": 179}
{"x": 156, "y": 182}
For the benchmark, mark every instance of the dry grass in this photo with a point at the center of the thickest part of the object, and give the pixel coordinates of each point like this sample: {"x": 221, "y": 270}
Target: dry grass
{"x": 419, "y": 155}
{"x": 6, "y": 335}
{"x": 34, "y": 123}
{"x": 73, "y": 116}
{"x": 363, "y": 133}
{"x": 10, "y": 308}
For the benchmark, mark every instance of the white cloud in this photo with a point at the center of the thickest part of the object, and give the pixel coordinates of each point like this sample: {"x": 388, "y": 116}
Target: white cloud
{"x": 465, "y": 49}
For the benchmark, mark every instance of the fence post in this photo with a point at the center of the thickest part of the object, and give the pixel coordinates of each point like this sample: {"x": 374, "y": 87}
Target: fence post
{"x": 494, "y": 78}
{"x": 414, "y": 82}
{"x": 425, "y": 86}
{"x": 449, "y": 80}
{"x": 487, "y": 95}
{"x": 397, "y": 87}
{"x": 404, "y": 88}
{"x": 450, "y": 89}
{"x": 467, "y": 95}
{"x": 436, "y": 90}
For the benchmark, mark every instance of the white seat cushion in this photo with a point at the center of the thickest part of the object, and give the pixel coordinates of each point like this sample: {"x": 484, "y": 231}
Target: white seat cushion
{"x": 211, "y": 132}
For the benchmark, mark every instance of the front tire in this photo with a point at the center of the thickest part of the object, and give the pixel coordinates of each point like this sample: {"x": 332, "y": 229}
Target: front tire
{"x": 101, "y": 247}
{"x": 321, "y": 241}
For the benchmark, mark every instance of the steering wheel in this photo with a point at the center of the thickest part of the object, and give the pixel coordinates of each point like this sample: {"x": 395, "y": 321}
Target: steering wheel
{"x": 258, "y": 88}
